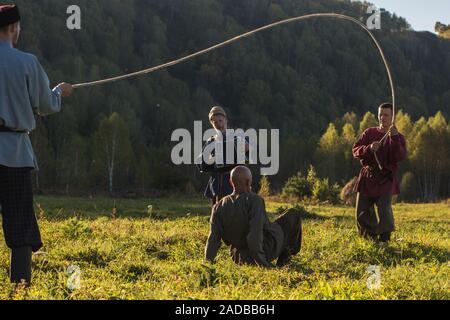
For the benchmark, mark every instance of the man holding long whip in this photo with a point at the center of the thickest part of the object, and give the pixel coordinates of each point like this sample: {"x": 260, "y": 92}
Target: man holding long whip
{"x": 379, "y": 150}
{"x": 24, "y": 92}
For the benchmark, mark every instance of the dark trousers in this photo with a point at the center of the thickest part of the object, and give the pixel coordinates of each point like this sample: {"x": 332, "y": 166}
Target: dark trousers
{"x": 291, "y": 224}
{"x": 218, "y": 187}
{"x": 19, "y": 222}
{"x": 373, "y": 224}
{"x": 20, "y": 270}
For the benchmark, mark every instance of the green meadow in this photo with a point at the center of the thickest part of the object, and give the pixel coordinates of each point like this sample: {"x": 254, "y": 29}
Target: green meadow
{"x": 121, "y": 250}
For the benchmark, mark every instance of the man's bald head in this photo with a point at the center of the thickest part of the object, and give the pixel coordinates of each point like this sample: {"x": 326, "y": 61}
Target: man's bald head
{"x": 241, "y": 179}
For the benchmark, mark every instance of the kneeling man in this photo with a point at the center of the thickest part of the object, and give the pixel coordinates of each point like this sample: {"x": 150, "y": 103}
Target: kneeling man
{"x": 241, "y": 221}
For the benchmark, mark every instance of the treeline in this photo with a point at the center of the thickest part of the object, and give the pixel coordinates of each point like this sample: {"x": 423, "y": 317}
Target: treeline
{"x": 296, "y": 78}
{"x": 109, "y": 160}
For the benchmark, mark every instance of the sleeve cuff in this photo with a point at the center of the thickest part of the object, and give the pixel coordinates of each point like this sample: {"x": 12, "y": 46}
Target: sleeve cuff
{"x": 57, "y": 90}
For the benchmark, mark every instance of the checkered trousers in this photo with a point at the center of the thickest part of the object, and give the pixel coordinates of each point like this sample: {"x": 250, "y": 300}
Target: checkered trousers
{"x": 19, "y": 222}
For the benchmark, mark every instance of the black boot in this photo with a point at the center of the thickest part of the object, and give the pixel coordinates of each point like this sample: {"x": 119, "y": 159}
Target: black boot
{"x": 368, "y": 236}
{"x": 385, "y": 237}
{"x": 284, "y": 258}
{"x": 21, "y": 265}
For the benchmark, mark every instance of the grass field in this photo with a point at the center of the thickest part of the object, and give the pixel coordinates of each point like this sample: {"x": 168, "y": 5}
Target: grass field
{"x": 124, "y": 253}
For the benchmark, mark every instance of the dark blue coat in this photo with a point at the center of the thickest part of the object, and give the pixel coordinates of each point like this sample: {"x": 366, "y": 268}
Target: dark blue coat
{"x": 219, "y": 184}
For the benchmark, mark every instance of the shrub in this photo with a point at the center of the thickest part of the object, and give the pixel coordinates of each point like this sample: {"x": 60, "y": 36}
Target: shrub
{"x": 324, "y": 192}
{"x": 348, "y": 196}
{"x": 312, "y": 176}
{"x": 297, "y": 187}
{"x": 311, "y": 188}
{"x": 75, "y": 228}
{"x": 264, "y": 187}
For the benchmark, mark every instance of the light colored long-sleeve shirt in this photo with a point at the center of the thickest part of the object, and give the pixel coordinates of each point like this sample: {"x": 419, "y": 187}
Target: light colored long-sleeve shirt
{"x": 24, "y": 92}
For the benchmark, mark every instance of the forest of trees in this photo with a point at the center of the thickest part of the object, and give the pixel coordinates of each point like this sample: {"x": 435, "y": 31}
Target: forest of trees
{"x": 298, "y": 78}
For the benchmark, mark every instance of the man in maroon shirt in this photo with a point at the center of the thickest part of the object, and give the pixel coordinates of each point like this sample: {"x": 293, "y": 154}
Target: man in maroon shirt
{"x": 377, "y": 181}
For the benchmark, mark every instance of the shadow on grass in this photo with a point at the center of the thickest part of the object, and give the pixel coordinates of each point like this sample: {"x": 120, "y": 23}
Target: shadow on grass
{"x": 91, "y": 256}
{"x": 312, "y": 216}
{"x": 408, "y": 253}
{"x": 413, "y": 252}
{"x": 299, "y": 267}
{"x": 60, "y": 209}
{"x": 399, "y": 254}
{"x": 170, "y": 208}
{"x": 305, "y": 214}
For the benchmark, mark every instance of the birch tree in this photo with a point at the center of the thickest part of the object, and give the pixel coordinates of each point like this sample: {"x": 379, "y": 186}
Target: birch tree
{"x": 113, "y": 152}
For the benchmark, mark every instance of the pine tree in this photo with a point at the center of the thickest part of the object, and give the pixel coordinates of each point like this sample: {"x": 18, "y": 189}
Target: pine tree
{"x": 329, "y": 155}
{"x": 264, "y": 187}
{"x": 369, "y": 120}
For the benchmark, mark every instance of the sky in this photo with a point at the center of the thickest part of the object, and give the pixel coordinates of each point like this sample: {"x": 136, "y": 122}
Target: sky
{"x": 420, "y": 14}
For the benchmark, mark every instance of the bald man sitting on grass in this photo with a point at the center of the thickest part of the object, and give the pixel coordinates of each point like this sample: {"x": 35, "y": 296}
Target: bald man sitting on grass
{"x": 241, "y": 221}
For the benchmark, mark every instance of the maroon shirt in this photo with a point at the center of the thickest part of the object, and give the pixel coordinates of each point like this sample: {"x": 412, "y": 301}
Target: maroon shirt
{"x": 372, "y": 181}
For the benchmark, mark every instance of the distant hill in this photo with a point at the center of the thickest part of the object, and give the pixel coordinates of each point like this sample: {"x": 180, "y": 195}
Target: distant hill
{"x": 327, "y": 67}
